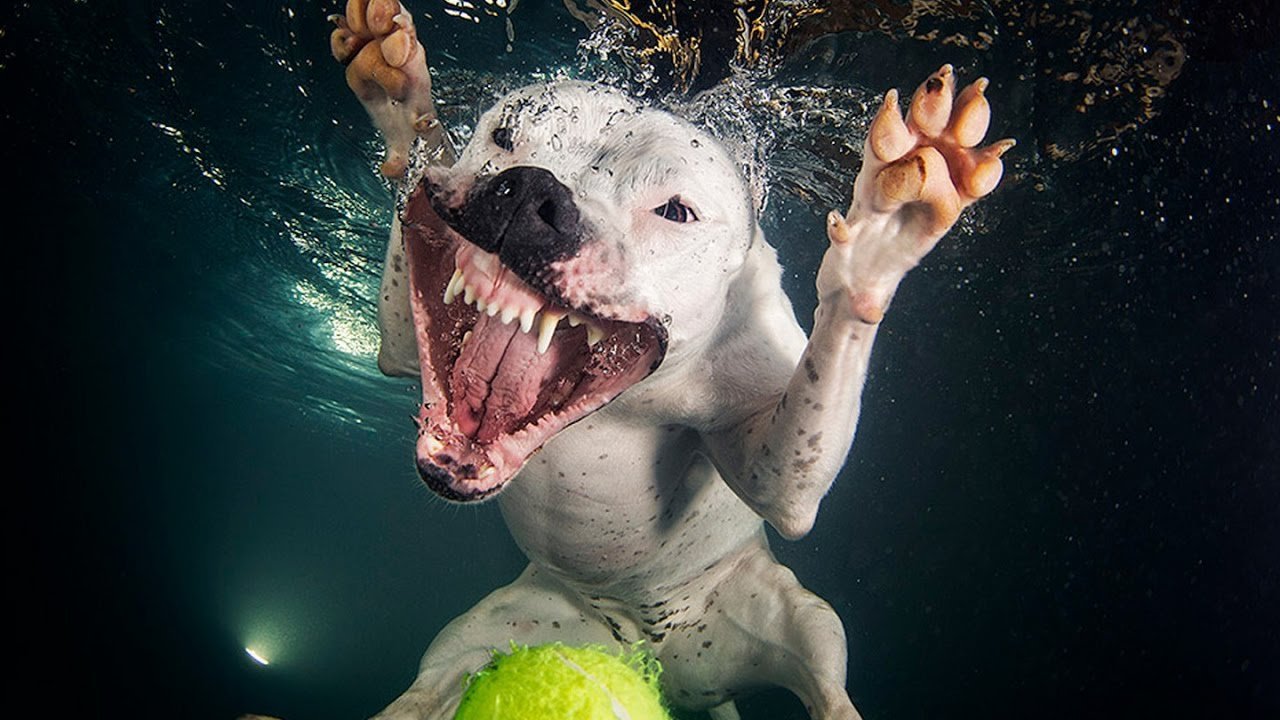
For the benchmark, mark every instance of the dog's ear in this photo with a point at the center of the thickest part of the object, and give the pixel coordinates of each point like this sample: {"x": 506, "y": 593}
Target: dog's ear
{"x": 758, "y": 341}
{"x": 398, "y": 349}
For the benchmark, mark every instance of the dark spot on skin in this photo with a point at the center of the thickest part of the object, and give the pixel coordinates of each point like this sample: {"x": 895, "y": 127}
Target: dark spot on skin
{"x": 396, "y": 262}
{"x": 706, "y": 643}
{"x": 555, "y": 624}
{"x": 765, "y": 451}
{"x": 814, "y": 439}
{"x": 817, "y": 406}
{"x": 810, "y": 371}
{"x": 804, "y": 465}
{"x": 782, "y": 404}
{"x": 800, "y": 432}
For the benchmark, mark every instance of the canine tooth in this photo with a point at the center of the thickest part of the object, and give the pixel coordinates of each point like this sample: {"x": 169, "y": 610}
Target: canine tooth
{"x": 469, "y": 295}
{"x": 451, "y": 290}
{"x": 550, "y": 319}
{"x": 508, "y": 314}
{"x": 594, "y": 334}
{"x": 466, "y": 336}
{"x": 526, "y": 319}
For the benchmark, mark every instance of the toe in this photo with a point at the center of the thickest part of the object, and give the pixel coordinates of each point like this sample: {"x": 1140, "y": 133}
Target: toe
{"x": 398, "y": 47}
{"x": 987, "y": 169}
{"x": 972, "y": 115}
{"x": 889, "y": 137}
{"x": 381, "y": 15}
{"x": 931, "y": 105}
{"x": 356, "y": 16}
{"x": 343, "y": 44}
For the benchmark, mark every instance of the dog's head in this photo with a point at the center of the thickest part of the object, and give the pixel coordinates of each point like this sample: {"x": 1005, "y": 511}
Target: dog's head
{"x": 580, "y": 240}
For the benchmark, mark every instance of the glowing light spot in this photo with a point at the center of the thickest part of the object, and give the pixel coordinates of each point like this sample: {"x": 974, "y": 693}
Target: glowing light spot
{"x": 256, "y": 657}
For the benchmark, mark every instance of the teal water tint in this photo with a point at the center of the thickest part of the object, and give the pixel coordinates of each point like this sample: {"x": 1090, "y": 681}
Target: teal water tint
{"x": 1062, "y": 500}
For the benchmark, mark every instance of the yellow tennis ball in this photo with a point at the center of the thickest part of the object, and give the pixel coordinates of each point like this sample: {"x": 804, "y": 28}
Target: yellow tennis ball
{"x": 560, "y": 682}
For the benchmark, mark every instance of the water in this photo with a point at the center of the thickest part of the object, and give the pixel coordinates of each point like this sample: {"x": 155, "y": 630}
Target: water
{"x": 1063, "y": 498}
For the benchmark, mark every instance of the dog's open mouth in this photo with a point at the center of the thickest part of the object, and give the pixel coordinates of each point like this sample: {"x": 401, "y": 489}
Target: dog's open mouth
{"x": 505, "y": 365}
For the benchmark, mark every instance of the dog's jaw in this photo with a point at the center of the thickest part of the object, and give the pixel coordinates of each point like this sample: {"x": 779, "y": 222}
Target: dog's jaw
{"x": 507, "y": 360}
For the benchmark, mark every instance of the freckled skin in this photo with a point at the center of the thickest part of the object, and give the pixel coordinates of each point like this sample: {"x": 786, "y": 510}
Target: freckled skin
{"x": 645, "y": 520}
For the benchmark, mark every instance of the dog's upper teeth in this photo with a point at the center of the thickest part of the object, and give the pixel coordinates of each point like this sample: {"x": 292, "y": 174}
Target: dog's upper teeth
{"x": 575, "y": 319}
{"x": 550, "y": 319}
{"x": 492, "y": 309}
{"x": 509, "y": 313}
{"x": 594, "y": 334}
{"x": 480, "y": 304}
{"x": 451, "y": 290}
{"x": 526, "y": 319}
{"x": 469, "y": 294}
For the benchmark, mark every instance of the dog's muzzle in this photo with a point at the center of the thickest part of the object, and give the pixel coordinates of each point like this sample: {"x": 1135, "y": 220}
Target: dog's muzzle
{"x": 508, "y": 359}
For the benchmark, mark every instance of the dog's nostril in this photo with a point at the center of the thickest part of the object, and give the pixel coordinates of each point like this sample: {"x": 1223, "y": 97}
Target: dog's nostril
{"x": 547, "y": 211}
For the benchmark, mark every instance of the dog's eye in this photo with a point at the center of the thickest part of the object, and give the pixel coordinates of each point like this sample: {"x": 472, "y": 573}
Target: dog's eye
{"x": 676, "y": 211}
{"x": 504, "y": 138}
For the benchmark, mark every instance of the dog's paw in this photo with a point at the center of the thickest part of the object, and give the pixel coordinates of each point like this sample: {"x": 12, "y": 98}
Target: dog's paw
{"x": 387, "y": 70}
{"x": 917, "y": 175}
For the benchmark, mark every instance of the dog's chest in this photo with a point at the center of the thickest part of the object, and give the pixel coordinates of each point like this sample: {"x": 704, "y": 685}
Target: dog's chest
{"x": 621, "y": 509}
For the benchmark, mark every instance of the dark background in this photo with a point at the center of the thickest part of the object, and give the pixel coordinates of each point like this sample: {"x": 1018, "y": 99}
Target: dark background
{"x": 1063, "y": 500}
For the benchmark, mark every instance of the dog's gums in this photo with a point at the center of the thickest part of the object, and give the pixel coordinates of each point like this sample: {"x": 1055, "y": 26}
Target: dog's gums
{"x": 505, "y": 365}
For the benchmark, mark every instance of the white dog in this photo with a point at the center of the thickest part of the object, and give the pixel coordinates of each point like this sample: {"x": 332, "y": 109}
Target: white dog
{"x": 591, "y": 305}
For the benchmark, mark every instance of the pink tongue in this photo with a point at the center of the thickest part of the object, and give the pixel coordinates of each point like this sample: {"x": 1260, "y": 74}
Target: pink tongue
{"x": 496, "y": 379}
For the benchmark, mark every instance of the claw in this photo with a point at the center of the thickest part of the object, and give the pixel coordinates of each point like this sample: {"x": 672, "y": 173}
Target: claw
{"x": 931, "y": 105}
{"x": 889, "y": 137}
{"x": 972, "y": 114}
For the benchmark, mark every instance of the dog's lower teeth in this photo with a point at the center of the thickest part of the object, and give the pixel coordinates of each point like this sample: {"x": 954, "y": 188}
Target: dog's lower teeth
{"x": 594, "y": 334}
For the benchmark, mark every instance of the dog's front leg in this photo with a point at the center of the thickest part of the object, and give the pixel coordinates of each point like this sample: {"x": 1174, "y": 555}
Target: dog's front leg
{"x": 916, "y": 177}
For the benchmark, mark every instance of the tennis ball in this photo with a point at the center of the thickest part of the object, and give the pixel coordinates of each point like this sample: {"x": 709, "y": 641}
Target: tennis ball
{"x": 560, "y": 682}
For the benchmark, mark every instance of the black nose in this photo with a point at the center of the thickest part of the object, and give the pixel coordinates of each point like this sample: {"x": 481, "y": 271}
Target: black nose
{"x": 525, "y": 216}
